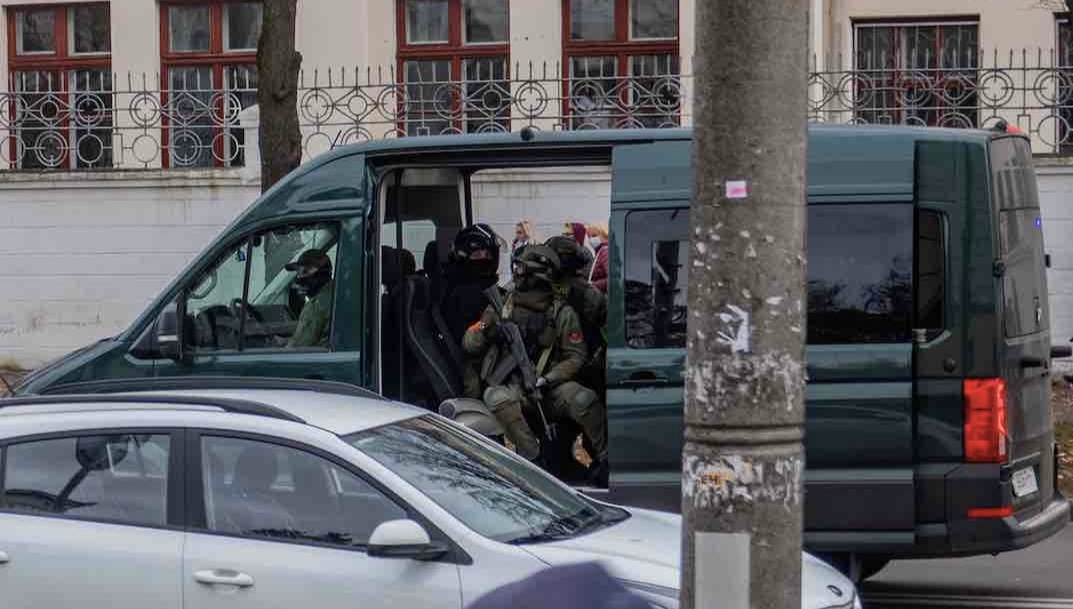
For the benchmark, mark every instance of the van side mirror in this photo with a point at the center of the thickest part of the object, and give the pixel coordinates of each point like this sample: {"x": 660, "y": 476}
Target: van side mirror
{"x": 161, "y": 340}
{"x": 403, "y": 539}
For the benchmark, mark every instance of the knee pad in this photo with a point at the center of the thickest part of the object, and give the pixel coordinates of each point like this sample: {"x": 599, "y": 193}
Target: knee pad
{"x": 577, "y": 397}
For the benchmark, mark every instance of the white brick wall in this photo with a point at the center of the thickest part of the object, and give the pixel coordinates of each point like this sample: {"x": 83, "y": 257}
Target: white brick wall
{"x": 1056, "y": 201}
{"x": 81, "y": 254}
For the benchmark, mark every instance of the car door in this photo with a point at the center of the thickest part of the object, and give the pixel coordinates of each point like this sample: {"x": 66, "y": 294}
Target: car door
{"x": 86, "y": 520}
{"x": 242, "y": 315}
{"x": 277, "y": 524}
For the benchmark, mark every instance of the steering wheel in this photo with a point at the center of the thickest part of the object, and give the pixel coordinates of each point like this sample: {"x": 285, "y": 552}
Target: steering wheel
{"x": 237, "y": 305}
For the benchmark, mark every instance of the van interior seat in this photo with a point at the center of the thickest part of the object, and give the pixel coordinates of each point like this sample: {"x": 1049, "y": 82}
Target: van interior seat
{"x": 423, "y": 326}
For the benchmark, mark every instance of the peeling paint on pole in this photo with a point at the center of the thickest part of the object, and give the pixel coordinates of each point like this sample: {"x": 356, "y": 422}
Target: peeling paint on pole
{"x": 728, "y": 480}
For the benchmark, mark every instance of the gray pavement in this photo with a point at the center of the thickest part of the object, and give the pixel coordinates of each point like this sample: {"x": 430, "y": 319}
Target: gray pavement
{"x": 1038, "y": 576}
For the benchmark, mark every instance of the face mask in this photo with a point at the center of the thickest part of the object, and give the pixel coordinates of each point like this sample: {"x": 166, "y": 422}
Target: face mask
{"x": 595, "y": 242}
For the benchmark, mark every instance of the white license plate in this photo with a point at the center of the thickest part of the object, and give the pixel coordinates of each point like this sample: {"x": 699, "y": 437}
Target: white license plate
{"x": 1024, "y": 482}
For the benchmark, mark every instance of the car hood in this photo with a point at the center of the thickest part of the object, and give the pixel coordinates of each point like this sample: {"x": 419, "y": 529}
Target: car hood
{"x": 630, "y": 551}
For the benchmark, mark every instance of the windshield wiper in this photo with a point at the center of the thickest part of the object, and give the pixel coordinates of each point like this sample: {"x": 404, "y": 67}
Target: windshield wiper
{"x": 564, "y": 527}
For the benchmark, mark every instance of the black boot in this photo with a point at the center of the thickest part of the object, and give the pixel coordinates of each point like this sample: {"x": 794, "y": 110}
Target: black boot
{"x": 600, "y": 473}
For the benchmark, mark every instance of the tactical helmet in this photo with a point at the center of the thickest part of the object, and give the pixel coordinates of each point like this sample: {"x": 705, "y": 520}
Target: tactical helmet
{"x": 572, "y": 256}
{"x": 477, "y": 246}
{"x": 537, "y": 262}
{"x": 313, "y": 271}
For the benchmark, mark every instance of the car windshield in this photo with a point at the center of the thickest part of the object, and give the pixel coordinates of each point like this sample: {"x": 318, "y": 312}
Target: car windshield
{"x": 486, "y": 487}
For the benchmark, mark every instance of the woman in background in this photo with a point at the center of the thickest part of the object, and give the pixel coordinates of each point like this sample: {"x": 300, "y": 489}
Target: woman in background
{"x": 597, "y": 232}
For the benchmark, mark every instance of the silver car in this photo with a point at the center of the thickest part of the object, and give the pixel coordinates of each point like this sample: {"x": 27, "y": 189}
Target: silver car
{"x": 297, "y": 494}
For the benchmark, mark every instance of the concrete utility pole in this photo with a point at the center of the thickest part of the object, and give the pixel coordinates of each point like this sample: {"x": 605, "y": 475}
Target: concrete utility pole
{"x": 743, "y": 458}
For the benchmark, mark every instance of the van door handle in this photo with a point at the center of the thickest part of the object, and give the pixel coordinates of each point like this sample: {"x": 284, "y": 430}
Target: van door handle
{"x": 225, "y": 577}
{"x": 646, "y": 378}
{"x": 4, "y": 558}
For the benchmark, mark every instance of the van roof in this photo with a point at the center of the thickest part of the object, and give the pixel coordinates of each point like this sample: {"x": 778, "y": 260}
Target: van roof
{"x": 613, "y": 136}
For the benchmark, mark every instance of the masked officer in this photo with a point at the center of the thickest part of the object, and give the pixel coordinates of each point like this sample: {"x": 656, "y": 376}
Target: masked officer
{"x": 591, "y": 305}
{"x": 555, "y": 344}
{"x": 314, "y": 282}
{"x": 473, "y": 267}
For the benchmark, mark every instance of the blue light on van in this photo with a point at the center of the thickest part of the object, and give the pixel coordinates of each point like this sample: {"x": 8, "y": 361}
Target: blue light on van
{"x": 1039, "y": 222}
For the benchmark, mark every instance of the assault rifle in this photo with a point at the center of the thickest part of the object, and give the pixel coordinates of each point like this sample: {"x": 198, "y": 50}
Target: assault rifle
{"x": 518, "y": 358}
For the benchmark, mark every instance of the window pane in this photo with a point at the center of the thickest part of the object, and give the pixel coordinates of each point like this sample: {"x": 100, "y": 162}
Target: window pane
{"x": 657, "y": 267}
{"x": 39, "y": 120}
{"x": 592, "y": 19}
{"x": 426, "y": 21}
{"x": 655, "y": 91}
{"x": 593, "y": 98}
{"x": 931, "y": 273}
{"x": 93, "y": 117}
{"x": 487, "y": 95}
{"x": 36, "y": 31}
{"x": 291, "y": 308}
{"x": 242, "y": 25}
{"x": 486, "y": 20}
{"x": 189, "y": 28}
{"x": 430, "y": 98}
{"x": 266, "y": 490}
{"x": 91, "y": 29}
{"x": 241, "y": 85}
{"x": 121, "y": 477}
{"x": 653, "y": 19}
{"x": 213, "y": 303}
{"x": 860, "y": 283}
{"x": 190, "y": 116}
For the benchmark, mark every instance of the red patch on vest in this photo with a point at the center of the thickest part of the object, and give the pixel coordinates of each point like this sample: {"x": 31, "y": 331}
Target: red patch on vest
{"x": 575, "y": 337}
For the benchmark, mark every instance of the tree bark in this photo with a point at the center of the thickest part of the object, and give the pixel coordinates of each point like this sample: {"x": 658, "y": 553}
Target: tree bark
{"x": 278, "y": 65}
{"x": 743, "y": 458}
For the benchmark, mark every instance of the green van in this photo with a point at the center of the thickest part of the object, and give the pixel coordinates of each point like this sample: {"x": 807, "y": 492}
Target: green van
{"x": 929, "y": 427}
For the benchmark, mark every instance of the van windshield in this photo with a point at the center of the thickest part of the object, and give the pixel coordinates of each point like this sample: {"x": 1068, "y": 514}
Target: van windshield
{"x": 1015, "y": 200}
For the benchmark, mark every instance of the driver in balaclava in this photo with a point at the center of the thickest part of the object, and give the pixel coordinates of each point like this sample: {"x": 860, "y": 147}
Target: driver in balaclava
{"x": 313, "y": 281}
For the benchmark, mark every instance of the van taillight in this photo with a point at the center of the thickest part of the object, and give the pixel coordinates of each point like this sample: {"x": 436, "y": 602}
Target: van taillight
{"x": 985, "y": 420}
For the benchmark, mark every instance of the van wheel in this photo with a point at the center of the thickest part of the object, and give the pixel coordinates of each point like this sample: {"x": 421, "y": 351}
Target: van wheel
{"x": 856, "y": 567}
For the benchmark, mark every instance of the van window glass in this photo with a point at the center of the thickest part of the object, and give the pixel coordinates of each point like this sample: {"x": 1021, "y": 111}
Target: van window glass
{"x": 281, "y": 311}
{"x": 121, "y": 477}
{"x": 1020, "y": 235}
{"x": 860, "y": 275}
{"x": 931, "y": 273}
{"x": 657, "y": 256}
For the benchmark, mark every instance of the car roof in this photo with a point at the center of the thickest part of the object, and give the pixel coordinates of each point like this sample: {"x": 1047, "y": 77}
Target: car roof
{"x": 339, "y": 414}
{"x": 324, "y": 405}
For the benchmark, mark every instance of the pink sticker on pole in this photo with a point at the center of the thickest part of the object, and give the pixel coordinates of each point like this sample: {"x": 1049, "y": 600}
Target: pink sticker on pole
{"x": 736, "y": 189}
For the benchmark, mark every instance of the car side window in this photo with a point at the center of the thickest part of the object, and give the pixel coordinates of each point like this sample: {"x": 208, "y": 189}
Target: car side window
{"x": 121, "y": 477}
{"x": 274, "y": 290}
{"x": 260, "y": 489}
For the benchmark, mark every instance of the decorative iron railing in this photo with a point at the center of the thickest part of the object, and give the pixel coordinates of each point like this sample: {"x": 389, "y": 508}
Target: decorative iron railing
{"x": 96, "y": 122}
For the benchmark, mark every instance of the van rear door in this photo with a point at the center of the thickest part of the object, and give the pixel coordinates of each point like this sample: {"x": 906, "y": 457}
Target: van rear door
{"x": 1025, "y": 345}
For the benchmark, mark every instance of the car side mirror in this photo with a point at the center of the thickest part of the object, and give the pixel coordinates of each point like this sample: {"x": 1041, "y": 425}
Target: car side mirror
{"x": 161, "y": 340}
{"x": 403, "y": 539}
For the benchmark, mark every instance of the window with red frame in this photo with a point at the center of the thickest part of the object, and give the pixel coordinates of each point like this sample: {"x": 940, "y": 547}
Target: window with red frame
{"x": 922, "y": 73}
{"x": 209, "y": 56}
{"x": 60, "y": 66}
{"x": 453, "y": 58}
{"x": 621, "y": 63}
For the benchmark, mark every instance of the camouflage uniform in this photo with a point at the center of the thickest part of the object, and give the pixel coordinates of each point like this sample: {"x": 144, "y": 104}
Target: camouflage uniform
{"x": 553, "y": 337}
{"x": 315, "y": 320}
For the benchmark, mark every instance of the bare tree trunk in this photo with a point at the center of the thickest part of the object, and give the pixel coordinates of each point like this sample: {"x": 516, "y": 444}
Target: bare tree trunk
{"x": 278, "y": 63}
{"x": 743, "y": 459}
